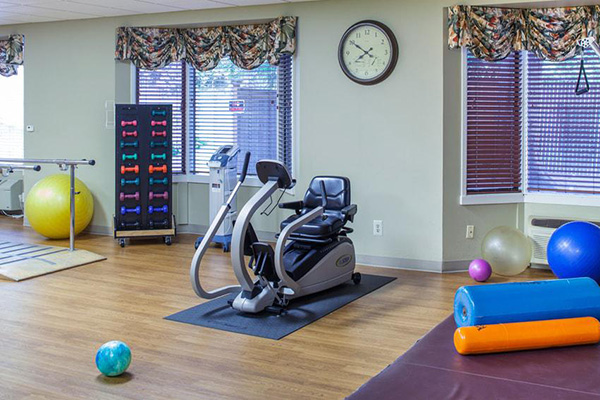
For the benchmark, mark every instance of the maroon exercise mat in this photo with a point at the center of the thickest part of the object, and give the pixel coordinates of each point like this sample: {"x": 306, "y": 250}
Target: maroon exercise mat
{"x": 432, "y": 369}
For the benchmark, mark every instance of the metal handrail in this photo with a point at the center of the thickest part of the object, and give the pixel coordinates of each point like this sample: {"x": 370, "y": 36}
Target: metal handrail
{"x": 64, "y": 164}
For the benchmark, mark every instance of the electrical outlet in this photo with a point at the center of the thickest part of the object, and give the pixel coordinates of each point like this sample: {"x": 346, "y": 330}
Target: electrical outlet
{"x": 470, "y": 231}
{"x": 377, "y": 227}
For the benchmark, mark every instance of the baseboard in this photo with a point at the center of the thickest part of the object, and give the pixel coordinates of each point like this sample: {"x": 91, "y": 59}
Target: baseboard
{"x": 194, "y": 229}
{"x": 99, "y": 230}
{"x": 455, "y": 266}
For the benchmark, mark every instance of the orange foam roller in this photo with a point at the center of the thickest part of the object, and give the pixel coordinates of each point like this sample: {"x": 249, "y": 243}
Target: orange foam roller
{"x": 496, "y": 338}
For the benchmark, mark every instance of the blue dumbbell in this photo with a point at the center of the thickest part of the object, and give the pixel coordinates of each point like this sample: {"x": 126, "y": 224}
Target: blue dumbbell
{"x": 163, "y": 209}
{"x": 164, "y": 143}
{"x": 162, "y": 156}
{"x": 157, "y": 112}
{"x": 124, "y": 144}
{"x": 135, "y": 182}
{"x": 125, "y": 210}
{"x": 163, "y": 181}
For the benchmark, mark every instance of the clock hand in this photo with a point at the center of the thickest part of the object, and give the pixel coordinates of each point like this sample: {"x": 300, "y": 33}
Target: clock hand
{"x": 374, "y": 59}
{"x": 354, "y": 43}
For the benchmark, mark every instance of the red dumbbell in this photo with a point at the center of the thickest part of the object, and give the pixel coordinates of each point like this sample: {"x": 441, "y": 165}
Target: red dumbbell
{"x": 125, "y": 133}
{"x": 163, "y": 133}
{"x": 162, "y": 168}
{"x": 154, "y": 123}
{"x": 132, "y": 123}
{"x": 123, "y": 196}
{"x": 164, "y": 195}
{"x": 135, "y": 168}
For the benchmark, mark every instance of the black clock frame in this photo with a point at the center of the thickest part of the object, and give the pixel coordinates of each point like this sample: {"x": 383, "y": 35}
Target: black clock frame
{"x": 393, "y": 60}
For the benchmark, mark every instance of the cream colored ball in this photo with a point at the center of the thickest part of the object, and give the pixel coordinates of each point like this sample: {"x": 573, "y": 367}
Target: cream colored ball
{"x": 507, "y": 250}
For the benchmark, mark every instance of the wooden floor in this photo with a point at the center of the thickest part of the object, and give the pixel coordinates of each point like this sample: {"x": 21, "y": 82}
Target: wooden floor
{"x": 51, "y": 326}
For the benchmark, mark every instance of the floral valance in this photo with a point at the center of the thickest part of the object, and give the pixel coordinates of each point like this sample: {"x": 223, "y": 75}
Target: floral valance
{"x": 248, "y": 46}
{"x": 491, "y": 33}
{"x": 11, "y": 54}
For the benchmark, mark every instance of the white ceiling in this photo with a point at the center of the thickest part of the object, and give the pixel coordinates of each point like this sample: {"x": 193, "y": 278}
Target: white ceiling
{"x": 24, "y": 11}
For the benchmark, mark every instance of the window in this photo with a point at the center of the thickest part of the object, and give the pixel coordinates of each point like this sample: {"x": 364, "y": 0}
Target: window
{"x": 563, "y": 129}
{"x": 493, "y": 125}
{"x": 226, "y": 105}
{"x": 11, "y": 116}
{"x": 167, "y": 86}
{"x": 522, "y": 101}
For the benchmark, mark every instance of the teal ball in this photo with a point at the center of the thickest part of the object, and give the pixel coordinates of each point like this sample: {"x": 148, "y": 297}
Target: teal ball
{"x": 113, "y": 358}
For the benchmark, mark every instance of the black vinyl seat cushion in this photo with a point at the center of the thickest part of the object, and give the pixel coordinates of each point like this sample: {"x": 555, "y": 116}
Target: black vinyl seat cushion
{"x": 317, "y": 227}
{"x": 338, "y": 197}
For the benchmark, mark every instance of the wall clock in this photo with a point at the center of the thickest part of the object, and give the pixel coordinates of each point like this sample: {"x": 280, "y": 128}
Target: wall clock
{"x": 368, "y": 52}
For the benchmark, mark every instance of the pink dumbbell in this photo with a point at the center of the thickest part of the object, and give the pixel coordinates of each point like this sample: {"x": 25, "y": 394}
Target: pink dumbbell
{"x": 164, "y": 195}
{"x": 125, "y": 133}
{"x": 154, "y": 123}
{"x": 125, "y": 123}
{"x": 163, "y": 133}
{"x": 123, "y": 196}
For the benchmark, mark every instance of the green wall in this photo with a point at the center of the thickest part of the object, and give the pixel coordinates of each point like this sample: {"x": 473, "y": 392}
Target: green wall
{"x": 399, "y": 141}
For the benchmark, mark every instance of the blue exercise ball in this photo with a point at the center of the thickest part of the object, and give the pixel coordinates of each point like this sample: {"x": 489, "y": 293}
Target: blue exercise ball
{"x": 574, "y": 251}
{"x": 113, "y": 358}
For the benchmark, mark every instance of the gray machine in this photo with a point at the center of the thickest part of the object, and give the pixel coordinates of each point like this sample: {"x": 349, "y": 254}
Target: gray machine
{"x": 312, "y": 253}
{"x": 223, "y": 177}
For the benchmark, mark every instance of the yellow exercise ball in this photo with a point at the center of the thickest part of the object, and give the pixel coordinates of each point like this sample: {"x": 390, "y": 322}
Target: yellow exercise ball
{"x": 47, "y": 206}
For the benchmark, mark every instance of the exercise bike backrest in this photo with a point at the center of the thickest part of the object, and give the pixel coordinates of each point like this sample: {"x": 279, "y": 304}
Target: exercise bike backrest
{"x": 270, "y": 170}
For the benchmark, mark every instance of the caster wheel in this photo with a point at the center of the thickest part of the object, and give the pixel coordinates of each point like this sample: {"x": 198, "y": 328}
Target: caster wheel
{"x": 356, "y": 277}
{"x": 122, "y": 242}
{"x": 168, "y": 240}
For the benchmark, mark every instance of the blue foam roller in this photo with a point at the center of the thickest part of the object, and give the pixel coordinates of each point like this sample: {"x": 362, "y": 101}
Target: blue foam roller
{"x": 526, "y": 301}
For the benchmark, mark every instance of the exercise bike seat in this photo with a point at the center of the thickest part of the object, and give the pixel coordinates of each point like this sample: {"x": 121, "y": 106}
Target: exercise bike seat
{"x": 337, "y": 212}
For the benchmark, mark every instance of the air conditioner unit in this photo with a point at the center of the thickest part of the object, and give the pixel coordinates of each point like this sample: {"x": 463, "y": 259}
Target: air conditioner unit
{"x": 539, "y": 230}
{"x": 10, "y": 190}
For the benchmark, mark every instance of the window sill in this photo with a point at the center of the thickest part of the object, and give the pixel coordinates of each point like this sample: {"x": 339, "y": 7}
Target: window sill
{"x": 480, "y": 199}
{"x": 250, "y": 181}
{"x": 531, "y": 198}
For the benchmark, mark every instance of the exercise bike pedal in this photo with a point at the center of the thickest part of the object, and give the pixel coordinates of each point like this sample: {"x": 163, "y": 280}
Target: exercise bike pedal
{"x": 277, "y": 310}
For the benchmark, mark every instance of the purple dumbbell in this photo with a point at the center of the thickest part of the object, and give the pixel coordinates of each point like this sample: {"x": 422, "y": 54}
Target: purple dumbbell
{"x": 163, "y": 209}
{"x": 123, "y": 196}
{"x": 125, "y": 210}
{"x": 164, "y": 195}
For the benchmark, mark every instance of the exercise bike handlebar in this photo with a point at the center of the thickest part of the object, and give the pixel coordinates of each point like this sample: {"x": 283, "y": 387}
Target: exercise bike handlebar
{"x": 207, "y": 240}
{"x": 245, "y": 167}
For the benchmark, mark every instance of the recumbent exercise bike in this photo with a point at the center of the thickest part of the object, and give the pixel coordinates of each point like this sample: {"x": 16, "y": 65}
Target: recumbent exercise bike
{"x": 312, "y": 253}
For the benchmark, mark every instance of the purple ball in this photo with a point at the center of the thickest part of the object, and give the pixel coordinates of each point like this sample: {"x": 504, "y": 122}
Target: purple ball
{"x": 480, "y": 270}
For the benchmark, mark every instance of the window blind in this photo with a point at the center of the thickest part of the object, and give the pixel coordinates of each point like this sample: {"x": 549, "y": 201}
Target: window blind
{"x": 11, "y": 116}
{"x": 494, "y": 125}
{"x": 167, "y": 86}
{"x": 563, "y": 129}
{"x": 250, "y": 108}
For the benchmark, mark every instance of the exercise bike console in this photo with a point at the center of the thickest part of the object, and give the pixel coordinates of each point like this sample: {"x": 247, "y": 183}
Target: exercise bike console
{"x": 270, "y": 170}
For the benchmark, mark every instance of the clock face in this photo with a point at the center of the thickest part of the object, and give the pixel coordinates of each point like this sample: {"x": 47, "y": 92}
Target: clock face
{"x": 368, "y": 52}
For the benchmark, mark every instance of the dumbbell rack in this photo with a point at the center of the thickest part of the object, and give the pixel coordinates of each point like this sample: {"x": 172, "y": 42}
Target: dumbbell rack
{"x": 143, "y": 176}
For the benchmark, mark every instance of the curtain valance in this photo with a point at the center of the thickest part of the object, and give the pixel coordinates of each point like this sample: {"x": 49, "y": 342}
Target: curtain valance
{"x": 491, "y": 33}
{"x": 248, "y": 46}
{"x": 11, "y": 54}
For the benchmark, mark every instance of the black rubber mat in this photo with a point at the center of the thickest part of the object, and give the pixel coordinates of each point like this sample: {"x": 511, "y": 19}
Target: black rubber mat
{"x": 217, "y": 314}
